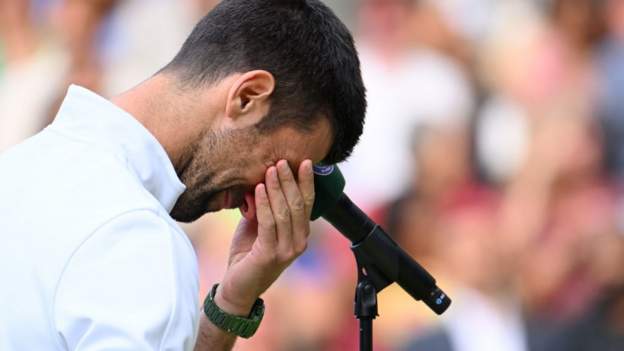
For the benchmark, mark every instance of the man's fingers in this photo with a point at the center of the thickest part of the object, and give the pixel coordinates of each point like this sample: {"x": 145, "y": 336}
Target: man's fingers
{"x": 300, "y": 223}
{"x": 266, "y": 223}
{"x": 281, "y": 214}
{"x": 306, "y": 185}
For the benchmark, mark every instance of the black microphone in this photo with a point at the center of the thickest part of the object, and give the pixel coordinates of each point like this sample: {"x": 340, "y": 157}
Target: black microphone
{"x": 382, "y": 259}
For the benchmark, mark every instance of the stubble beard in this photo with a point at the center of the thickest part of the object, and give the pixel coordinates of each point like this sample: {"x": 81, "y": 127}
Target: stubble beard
{"x": 191, "y": 204}
{"x": 199, "y": 174}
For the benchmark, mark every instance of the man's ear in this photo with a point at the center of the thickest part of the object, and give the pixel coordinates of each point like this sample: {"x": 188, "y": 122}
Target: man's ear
{"x": 249, "y": 98}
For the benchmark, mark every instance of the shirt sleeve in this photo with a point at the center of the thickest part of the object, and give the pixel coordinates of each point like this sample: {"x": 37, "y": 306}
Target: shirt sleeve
{"x": 131, "y": 286}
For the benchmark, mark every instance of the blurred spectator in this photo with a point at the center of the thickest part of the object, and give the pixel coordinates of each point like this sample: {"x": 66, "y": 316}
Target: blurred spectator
{"x": 525, "y": 268}
{"x": 419, "y": 219}
{"x": 99, "y": 44}
{"x": 459, "y": 217}
{"x": 556, "y": 209}
{"x": 503, "y": 121}
{"x": 602, "y": 327}
{"x": 429, "y": 27}
{"x": 610, "y": 68}
{"x": 472, "y": 19}
{"x": 407, "y": 86}
{"x": 33, "y": 72}
{"x": 531, "y": 63}
{"x": 138, "y": 42}
{"x": 80, "y": 23}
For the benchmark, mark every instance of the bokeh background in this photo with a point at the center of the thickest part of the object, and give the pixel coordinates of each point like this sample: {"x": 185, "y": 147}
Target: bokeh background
{"x": 493, "y": 153}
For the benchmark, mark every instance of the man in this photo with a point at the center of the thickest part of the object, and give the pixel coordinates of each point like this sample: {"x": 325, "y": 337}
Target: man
{"x": 91, "y": 256}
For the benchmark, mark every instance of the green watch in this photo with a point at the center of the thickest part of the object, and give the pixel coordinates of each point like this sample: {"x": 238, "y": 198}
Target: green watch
{"x": 240, "y": 326}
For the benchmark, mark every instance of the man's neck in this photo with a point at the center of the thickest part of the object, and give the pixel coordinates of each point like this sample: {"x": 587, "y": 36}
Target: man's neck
{"x": 167, "y": 113}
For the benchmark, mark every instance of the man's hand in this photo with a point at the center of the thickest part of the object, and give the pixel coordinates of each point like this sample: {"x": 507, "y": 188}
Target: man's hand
{"x": 263, "y": 248}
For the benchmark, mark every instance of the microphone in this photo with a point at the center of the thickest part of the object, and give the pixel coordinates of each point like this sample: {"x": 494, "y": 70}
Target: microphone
{"x": 382, "y": 259}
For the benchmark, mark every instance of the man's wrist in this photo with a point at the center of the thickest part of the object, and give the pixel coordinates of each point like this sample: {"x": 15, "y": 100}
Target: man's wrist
{"x": 226, "y": 304}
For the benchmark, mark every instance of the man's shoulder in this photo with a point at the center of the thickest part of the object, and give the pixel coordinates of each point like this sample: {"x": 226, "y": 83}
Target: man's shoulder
{"x": 64, "y": 175}
{"x": 57, "y": 192}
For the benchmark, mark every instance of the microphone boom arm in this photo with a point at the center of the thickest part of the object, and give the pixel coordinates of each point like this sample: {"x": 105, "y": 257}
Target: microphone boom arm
{"x": 382, "y": 259}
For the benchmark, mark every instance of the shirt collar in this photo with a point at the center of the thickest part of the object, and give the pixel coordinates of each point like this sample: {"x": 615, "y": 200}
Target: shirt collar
{"x": 90, "y": 117}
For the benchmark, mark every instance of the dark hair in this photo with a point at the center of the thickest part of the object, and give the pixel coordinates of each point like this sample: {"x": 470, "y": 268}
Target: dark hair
{"x": 303, "y": 44}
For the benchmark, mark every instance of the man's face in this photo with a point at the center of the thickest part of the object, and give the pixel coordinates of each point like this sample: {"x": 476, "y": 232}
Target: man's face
{"x": 225, "y": 166}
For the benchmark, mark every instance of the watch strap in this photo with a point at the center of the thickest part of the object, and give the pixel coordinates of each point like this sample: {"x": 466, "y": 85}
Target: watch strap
{"x": 237, "y": 325}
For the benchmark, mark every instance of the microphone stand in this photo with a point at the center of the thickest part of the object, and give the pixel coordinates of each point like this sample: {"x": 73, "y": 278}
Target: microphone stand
{"x": 365, "y": 309}
{"x": 369, "y": 283}
{"x": 380, "y": 262}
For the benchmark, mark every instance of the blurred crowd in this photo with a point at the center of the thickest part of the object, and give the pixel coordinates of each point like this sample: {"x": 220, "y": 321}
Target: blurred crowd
{"x": 493, "y": 153}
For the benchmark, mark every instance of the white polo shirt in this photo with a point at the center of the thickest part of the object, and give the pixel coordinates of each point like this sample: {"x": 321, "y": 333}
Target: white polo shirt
{"x": 89, "y": 257}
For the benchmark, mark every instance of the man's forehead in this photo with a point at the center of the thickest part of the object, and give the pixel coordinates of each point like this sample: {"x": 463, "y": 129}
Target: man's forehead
{"x": 300, "y": 145}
